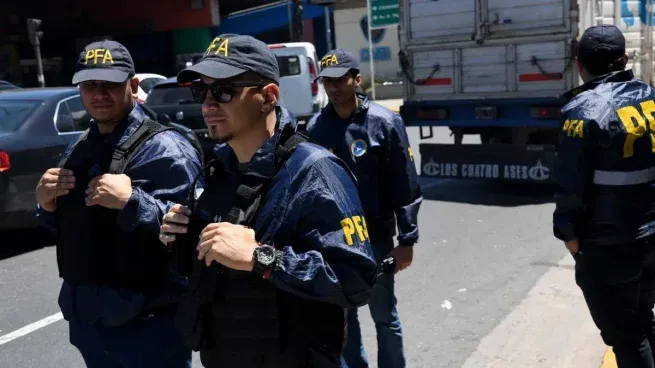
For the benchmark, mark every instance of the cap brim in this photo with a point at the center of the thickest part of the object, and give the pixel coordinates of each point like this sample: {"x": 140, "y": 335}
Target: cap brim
{"x": 332, "y": 73}
{"x": 108, "y": 75}
{"x": 209, "y": 68}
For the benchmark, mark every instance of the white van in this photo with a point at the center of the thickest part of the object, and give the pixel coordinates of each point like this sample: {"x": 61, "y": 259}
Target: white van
{"x": 299, "y": 65}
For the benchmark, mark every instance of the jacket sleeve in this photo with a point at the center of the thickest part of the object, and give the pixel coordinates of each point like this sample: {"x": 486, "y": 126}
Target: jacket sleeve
{"x": 162, "y": 173}
{"x": 405, "y": 189}
{"x": 573, "y": 176}
{"x": 332, "y": 261}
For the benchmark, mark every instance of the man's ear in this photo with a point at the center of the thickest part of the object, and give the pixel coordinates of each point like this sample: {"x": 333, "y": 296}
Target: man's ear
{"x": 271, "y": 94}
{"x": 358, "y": 80}
{"x": 134, "y": 85}
{"x": 580, "y": 66}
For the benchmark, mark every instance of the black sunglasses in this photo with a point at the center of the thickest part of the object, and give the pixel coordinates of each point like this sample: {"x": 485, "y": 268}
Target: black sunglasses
{"x": 221, "y": 92}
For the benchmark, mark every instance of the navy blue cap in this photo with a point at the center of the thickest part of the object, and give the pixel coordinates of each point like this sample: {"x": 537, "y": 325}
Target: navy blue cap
{"x": 229, "y": 55}
{"x": 336, "y": 63}
{"x": 104, "y": 61}
{"x": 601, "y": 45}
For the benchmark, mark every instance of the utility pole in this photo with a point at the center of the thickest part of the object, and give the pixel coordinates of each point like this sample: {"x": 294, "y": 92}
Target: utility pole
{"x": 35, "y": 34}
{"x": 297, "y": 21}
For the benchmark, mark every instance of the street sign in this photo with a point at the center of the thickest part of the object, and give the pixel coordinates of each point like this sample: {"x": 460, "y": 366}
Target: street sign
{"x": 384, "y": 13}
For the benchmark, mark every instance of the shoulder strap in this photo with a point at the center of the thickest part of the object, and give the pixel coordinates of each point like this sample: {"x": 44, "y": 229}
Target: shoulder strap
{"x": 284, "y": 150}
{"x": 124, "y": 152}
{"x": 249, "y": 192}
{"x": 82, "y": 137}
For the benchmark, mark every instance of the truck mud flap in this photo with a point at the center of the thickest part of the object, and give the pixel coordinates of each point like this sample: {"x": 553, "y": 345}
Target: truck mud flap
{"x": 503, "y": 162}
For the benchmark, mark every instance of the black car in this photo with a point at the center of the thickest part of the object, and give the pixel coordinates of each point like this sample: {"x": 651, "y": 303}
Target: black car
{"x": 36, "y": 126}
{"x": 173, "y": 100}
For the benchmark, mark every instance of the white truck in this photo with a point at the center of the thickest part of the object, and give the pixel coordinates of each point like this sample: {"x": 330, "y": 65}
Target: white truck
{"x": 497, "y": 69}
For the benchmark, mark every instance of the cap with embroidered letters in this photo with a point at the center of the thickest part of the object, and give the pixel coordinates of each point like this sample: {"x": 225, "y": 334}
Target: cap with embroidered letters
{"x": 104, "y": 61}
{"x": 336, "y": 63}
{"x": 229, "y": 55}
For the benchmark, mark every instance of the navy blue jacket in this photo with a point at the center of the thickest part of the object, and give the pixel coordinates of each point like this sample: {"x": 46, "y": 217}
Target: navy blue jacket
{"x": 313, "y": 213}
{"x": 373, "y": 142}
{"x": 162, "y": 172}
{"x": 606, "y": 143}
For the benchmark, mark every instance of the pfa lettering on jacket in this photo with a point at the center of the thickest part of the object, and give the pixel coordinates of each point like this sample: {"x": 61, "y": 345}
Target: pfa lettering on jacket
{"x": 354, "y": 228}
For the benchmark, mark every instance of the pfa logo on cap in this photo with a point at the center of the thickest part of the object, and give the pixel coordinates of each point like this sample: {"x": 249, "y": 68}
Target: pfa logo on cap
{"x": 358, "y": 148}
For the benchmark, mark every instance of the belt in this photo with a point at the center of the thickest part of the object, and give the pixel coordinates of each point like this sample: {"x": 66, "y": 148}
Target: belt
{"x": 624, "y": 177}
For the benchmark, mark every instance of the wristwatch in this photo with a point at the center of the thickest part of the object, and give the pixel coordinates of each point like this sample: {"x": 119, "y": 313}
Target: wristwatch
{"x": 265, "y": 259}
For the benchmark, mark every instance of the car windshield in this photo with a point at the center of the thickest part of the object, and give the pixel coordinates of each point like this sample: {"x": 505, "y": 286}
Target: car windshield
{"x": 14, "y": 113}
{"x": 170, "y": 94}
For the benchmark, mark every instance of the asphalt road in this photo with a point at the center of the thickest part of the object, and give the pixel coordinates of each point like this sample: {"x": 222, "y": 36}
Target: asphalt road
{"x": 483, "y": 248}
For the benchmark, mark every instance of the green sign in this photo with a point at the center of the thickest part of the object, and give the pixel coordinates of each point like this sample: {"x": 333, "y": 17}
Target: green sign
{"x": 384, "y": 13}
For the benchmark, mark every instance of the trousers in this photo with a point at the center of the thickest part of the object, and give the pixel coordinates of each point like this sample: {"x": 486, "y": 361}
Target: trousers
{"x": 384, "y": 312}
{"x": 618, "y": 284}
{"x": 142, "y": 342}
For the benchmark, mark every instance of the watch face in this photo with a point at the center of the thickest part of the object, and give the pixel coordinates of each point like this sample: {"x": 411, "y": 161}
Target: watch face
{"x": 266, "y": 255}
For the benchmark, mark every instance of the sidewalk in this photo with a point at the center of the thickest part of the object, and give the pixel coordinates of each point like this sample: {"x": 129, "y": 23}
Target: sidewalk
{"x": 550, "y": 328}
{"x": 393, "y": 105}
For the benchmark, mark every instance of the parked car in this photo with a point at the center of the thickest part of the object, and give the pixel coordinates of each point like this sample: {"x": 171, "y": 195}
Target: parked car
{"x": 146, "y": 82}
{"x": 299, "y": 65}
{"x": 175, "y": 100}
{"x": 36, "y": 126}
{"x": 4, "y": 85}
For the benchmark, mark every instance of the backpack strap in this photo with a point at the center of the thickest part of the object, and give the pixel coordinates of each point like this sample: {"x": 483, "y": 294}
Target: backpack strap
{"x": 79, "y": 140}
{"x": 249, "y": 193}
{"x": 124, "y": 152}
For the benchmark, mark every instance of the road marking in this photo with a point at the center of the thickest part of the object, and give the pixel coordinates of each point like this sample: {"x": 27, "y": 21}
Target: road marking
{"x": 30, "y": 328}
{"x": 609, "y": 360}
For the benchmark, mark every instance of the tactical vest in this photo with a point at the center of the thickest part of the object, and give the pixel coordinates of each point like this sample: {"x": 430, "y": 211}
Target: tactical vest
{"x": 228, "y": 314}
{"x": 92, "y": 249}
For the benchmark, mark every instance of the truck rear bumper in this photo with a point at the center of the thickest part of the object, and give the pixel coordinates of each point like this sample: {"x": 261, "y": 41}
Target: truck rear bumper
{"x": 502, "y": 162}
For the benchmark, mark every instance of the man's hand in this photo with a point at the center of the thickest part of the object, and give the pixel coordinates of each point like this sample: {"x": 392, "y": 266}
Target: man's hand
{"x": 404, "y": 256}
{"x": 230, "y": 245}
{"x": 54, "y": 183}
{"x": 109, "y": 190}
{"x": 572, "y": 246}
{"x": 174, "y": 222}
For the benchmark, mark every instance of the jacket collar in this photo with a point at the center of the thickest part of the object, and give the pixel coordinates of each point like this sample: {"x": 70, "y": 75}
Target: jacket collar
{"x": 620, "y": 76}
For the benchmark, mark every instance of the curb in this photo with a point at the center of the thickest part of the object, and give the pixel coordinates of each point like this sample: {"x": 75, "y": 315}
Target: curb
{"x": 609, "y": 360}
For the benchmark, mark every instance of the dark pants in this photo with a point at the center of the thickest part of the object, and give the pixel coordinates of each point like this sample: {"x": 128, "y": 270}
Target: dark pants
{"x": 384, "y": 313}
{"x": 143, "y": 342}
{"x": 618, "y": 283}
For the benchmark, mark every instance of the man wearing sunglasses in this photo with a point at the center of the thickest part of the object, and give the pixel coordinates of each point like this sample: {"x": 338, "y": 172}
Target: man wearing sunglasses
{"x": 373, "y": 142}
{"x": 279, "y": 278}
{"x": 105, "y": 200}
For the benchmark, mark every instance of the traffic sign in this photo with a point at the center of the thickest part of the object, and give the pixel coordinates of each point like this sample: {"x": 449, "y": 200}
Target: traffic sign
{"x": 384, "y": 13}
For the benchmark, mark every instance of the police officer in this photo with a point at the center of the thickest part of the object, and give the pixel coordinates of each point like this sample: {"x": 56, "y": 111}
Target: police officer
{"x": 106, "y": 200}
{"x": 373, "y": 142}
{"x": 287, "y": 276}
{"x": 605, "y": 201}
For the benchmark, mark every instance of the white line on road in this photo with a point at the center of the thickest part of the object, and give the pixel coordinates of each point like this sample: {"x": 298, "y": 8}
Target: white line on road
{"x": 30, "y": 328}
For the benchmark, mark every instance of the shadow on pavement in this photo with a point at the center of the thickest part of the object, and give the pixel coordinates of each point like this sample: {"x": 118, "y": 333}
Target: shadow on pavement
{"x": 488, "y": 193}
{"x": 17, "y": 242}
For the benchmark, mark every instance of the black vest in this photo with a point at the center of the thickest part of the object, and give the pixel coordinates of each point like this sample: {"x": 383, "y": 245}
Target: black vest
{"x": 236, "y": 315}
{"x": 92, "y": 249}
